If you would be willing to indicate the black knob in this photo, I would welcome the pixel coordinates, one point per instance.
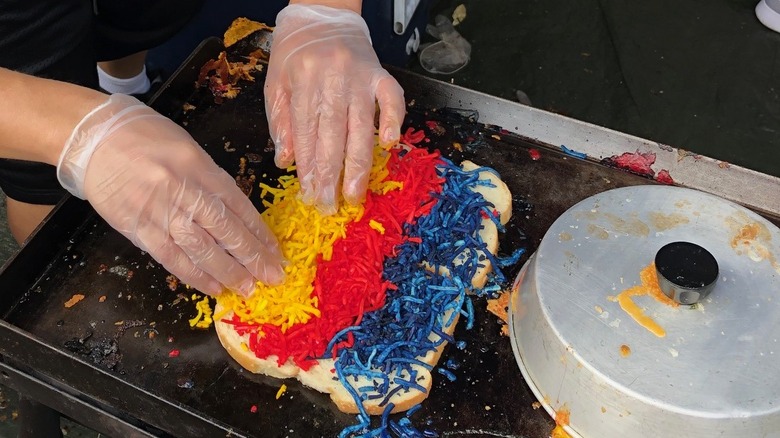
(686, 271)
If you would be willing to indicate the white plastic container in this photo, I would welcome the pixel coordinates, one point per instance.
(768, 13)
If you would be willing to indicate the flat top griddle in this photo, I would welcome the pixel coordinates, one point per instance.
(128, 348)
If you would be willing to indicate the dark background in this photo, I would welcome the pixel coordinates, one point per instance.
(694, 74)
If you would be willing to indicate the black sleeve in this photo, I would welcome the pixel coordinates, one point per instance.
(49, 38)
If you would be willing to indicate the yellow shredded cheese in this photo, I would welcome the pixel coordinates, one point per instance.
(204, 317)
(281, 391)
(376, 226)
(303, 234)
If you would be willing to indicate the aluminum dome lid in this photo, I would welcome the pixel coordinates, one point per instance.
(628, 364)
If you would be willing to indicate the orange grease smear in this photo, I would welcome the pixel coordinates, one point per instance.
(649, 287)
(749, 236)
(746, 234)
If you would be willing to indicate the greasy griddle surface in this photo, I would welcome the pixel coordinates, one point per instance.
(489, 395)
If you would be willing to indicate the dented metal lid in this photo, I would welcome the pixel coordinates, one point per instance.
(594, 333)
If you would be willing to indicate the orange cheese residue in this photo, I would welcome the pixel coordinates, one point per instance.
(559, 432)
(500, 307)
(753, 240)
(649, 287)
(746, 234)
(304, 234)
(562, 417)
(240, 28)
(74, 300)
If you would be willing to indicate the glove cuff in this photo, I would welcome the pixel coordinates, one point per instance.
(298, 16)
(86, 138)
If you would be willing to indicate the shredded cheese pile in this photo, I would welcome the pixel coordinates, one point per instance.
(304, 234)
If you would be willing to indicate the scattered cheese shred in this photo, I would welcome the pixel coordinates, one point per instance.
(281, 391)
(74, 300)
(376, 226)
(203, 319)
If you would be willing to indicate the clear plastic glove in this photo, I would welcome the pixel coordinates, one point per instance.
(149, 180)
(323, 82)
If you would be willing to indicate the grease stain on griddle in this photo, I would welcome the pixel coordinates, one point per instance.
(185, 383)
(122, 271)
(103, 352)
(245, 179)
(123, 326)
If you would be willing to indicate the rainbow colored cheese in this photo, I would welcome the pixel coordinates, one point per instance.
(363, 285)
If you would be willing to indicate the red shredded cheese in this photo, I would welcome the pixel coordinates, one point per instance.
(349, 282)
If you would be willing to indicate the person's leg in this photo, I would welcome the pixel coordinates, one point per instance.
(126, 67)
(126, 75)
(23, 217)
(125, 31)
(31, 190)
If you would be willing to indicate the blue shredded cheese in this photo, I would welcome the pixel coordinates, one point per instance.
(389, 342)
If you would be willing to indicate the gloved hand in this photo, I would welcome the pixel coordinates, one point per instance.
(149, 180)
(320, 92)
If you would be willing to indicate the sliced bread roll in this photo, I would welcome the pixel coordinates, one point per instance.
(322, 376)
(498, 194)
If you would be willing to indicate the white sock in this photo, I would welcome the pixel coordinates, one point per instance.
(136, 85)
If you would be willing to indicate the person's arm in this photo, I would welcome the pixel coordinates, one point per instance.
(145, 176)
(37, 115)
(324, 81)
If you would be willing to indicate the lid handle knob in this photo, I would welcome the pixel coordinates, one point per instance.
(686, 271)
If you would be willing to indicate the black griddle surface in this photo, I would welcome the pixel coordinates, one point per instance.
(105, 352)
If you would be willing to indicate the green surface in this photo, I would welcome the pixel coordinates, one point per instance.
(698, 75)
